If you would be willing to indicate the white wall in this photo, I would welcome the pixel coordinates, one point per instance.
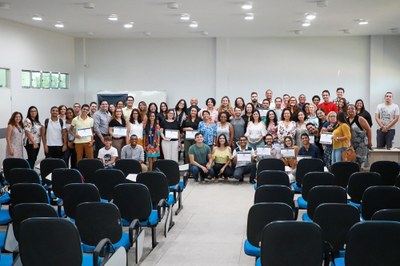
(24, 47)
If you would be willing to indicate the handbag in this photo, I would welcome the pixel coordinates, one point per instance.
(349, 155)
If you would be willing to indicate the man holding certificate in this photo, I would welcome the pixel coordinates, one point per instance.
(82, 129)
(200, 159)
(243, 158)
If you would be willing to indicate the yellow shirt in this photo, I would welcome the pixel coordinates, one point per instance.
(341, 131)
(221, 157)
(79, 123)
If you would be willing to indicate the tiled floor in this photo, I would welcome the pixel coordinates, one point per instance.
(210, 229)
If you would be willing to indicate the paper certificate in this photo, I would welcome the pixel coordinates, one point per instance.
(312, 139)
(326, 138)
(191, 134)
(288, 153)
(263, 151)
(171, 133)
(85, 132)
(119, 131)
(244, 157)
(263, 112)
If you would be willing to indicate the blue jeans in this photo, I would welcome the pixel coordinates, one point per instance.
(195, 171)
(337, 155)
(241, 170)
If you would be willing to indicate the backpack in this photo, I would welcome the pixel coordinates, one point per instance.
(46, 123)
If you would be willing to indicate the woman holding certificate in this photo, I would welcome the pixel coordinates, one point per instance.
(301, 128)
(222, 157)
(286, 127)
(326, 138)
(255, 131)
(118, 131)
(209, 129)
(224, 127)
(289, 152)
(170, 136)
(152, 139)
(136, 126)
(271, 122)
(189, 127)
(341, 138)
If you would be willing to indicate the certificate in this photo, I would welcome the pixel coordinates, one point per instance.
(288, 153)
(326, 138)
(190, 134)
(85, 132)
(171, 133)
(301, 157)
(263, 112)
(131, 177)
(244, 157)
(312, 139)
(119, 131)
(263, 151)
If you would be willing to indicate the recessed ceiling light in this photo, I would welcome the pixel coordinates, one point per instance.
(249, 16)
(322, 3)
(147, 33)
(113, 17)
(345, 31)
(129, 25)
(205, 33)
(89, 5)
(59, 25)
(306, 23)
(4, 6)
(185, 17)
(37, 18)
(193, 24)
(247, 5)
(172, 5)
(298, 32)
(310, 16)
(361, 21)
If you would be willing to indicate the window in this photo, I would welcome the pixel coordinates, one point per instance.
(4, 78)
(44, 79)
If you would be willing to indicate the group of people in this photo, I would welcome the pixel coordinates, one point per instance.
(218, 141)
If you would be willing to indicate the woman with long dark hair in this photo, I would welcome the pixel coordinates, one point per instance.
(152, 139)
(135, 126)
(191, 123)
(33, 135)
(14, 136)
(70, 151)
(255, 131)
(222, 157)
(119, 140)
(271, 124)
(360, 108)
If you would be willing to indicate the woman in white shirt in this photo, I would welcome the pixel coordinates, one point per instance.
(136, 126)
(255, 131)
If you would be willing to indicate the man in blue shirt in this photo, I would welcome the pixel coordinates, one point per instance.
(308, 149)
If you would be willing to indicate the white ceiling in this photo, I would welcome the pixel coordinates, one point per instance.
(219, 18)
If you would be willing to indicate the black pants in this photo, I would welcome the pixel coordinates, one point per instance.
(227, 172)
(32, 154)
(54, 152)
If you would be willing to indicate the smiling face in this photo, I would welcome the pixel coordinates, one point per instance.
(286, 115)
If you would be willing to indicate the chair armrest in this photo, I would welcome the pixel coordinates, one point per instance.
(135, 225)
(161, 206)
(104, 243)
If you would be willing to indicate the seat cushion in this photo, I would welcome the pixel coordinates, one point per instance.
(152, 220)
(306, 218)
(5, 217)
(339, 262)
(123, 242)
(357, 205)
(6, 259)
(258, 262)
(251, 250)
(2, 240)
(302, 203)
(5, 198)
(181, 185)
(171, 200)
(296, 187)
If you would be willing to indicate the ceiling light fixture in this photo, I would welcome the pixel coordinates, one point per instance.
(4, 6)
(345, 31)
(298, 32)
(185, 17)
(147, 33)
(306, 23)
(204, 33)
(310, 16)
(249, 16)
(59, 25)
(193, 24)
(113, 17)
(172, 5)
(129, 25)
(361, 21)
(247, 5)
(37, 18)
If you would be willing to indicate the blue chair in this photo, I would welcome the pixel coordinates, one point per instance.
(388, 171)
(343, 171)
(171, 170)
(134, 202)
(358, 183)
(387, 215)
(128, 166)
(98, 220)
(378, 198)
(286, 243)
(323, 194)
(272, 177)
(87, 167)
(106, 179)
(259, 216)
(305, 166)
(8, 164)
(75, 194)
(270, 164)
(54, 241)
(47, 166)
(372, 243)
(311, 180)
